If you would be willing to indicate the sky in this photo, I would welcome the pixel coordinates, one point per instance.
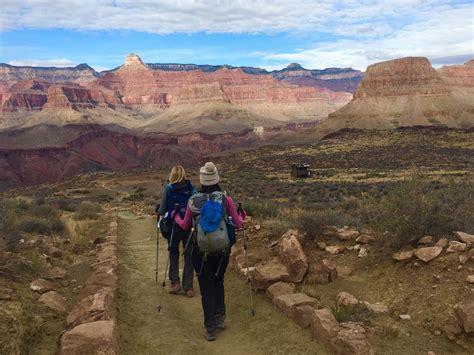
(261, 33)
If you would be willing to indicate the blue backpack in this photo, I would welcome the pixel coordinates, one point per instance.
(180, 196)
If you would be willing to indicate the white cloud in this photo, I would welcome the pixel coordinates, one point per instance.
(446, 33)
(43, 63)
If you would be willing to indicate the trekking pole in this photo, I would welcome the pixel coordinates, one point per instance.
(176, 209)
(249, 277)
(157, 247)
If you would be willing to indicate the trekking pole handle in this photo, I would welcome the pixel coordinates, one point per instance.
(176, 207)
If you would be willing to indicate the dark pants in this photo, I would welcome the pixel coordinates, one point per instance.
(181, 237)
(211, 284)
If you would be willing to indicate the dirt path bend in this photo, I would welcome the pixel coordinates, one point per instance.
(178, 329)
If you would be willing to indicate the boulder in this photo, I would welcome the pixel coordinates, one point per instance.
(98, 280)
(363, 252)
(335, 249)
(377, 308)
(456, 247)
(41, 286)
(332, 270)
(427, 240)
(57, 273)
(428, 253)
(364, 239)
(54, 252)
(303, 314)
(465, 314)
(54, 300)
(90, 338)
(280, 288)
(99, 306)
(287, 303)
(265, 275)
(403, 255)
(347, 234)
(442, 243)
(465, 238)
(292, 256)
(346, 299)
(324, 325)
(344, 271)
(351, 339)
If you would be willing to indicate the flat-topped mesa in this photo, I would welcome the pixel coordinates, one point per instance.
(134, 61)
(401, 77)
(458, 75)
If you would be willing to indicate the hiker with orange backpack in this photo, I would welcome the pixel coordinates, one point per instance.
(213, 216)
(175, 196)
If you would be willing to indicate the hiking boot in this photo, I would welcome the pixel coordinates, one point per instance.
(220, 322)
(210, 336)
(175, 288)
(190, 293)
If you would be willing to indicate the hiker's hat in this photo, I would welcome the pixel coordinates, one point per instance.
(212, 214)
(208, 174)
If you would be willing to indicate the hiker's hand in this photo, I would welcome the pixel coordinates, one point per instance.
(242, 214)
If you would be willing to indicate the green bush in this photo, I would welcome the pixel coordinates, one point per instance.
(87, 210)
(261, 209)
(35, 225)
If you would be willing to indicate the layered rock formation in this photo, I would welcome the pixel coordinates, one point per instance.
(460, 79)
(181, 101)
(404, 92)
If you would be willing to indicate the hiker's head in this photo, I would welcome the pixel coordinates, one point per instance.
(208, 174)
(177, 174)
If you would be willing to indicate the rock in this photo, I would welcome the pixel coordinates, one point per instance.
(470, 279)
(54, 252)
(324, 325)
(5, 293)
(99, 306)
(279, 288)
(403, 255)
(364, 239)
(335, 249)
(463, 259)
(265, 275)
(321, 245)
(351, 339)
(452, 330)
(318, 273)
(41, 286)
(292, 256)
(241, 261)
(465, 238)
(405, 317)
(344, 271)
(465, 314)
(302, 315)
(57, 273)
(428, 253)
(346, 299)
(377, 308)
(90, 338)
(54, 300)
(456, 247)
(426, 240)
(348, 234)
(98, 280)
(363, 252)
(286, 303)
(257, 227)
(442, 243)
(245, 271)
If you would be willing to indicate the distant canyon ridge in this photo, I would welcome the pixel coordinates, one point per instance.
(59, 122)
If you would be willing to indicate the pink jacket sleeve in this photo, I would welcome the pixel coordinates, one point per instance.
(186, 222)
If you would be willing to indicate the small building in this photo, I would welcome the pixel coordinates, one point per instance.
(300, 170)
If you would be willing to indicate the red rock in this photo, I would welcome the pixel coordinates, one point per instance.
(265, 275)
(465, 237)
(324, 325)
(293, 257)
(279, 288)
(287, 303)
(456, 247)
(346, 299)
(90, 338)
(427, 254)
(351, 339)
(465, 314)
(54, 300)
(99, 306)
(303, 315)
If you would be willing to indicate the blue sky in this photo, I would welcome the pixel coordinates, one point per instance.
(269, 34)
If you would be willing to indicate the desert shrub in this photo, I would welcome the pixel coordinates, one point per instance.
(136, 195)
(35, 225)
(261, 209)
(87, 210)
(353, 313)
(67, 204)
(8, 231)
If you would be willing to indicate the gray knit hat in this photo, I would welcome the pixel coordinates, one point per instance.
(208, 174)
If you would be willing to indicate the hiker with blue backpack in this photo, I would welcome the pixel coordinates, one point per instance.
(175, 197)
(213, 218)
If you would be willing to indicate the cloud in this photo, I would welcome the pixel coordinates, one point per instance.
(43, 63)
(445, 31)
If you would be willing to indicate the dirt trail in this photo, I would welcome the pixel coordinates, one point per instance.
(178, 328)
